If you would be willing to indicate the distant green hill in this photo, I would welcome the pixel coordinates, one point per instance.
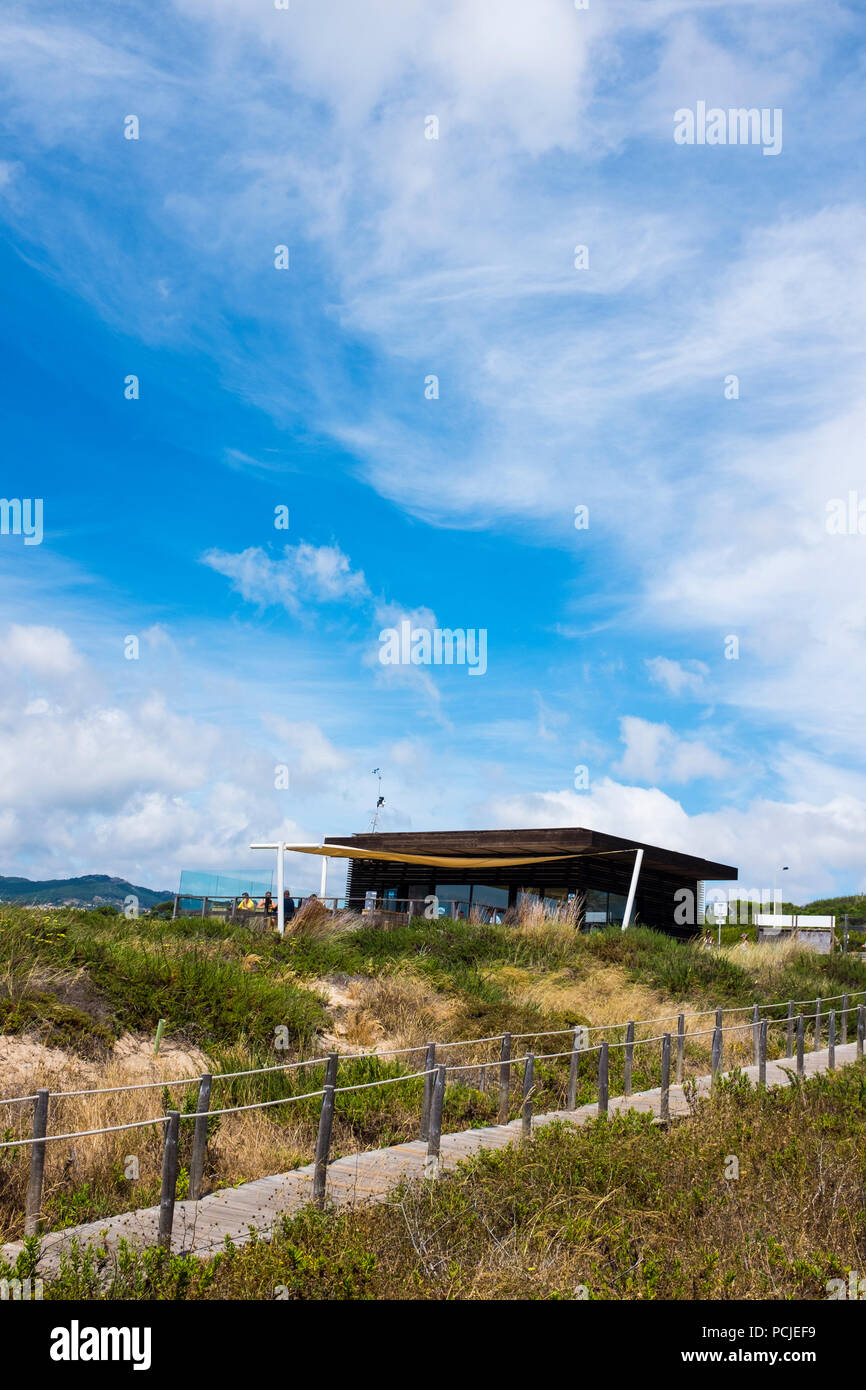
(91, 890)
(855, 906)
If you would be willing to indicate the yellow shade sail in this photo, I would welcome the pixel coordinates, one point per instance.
(439, 860)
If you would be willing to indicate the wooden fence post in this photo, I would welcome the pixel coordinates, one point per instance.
(665, 1105)
(861, 1030)
(199, 1137)
(603, 1078)
(844, 1019)
(33, 1208)
(816, 1042)
(681, 1046)
(800, 1044)
(504, 1079)
(429, 1080)
(762, 1053)
(431, 1165)
(528, 1083)
(789, 1030)
(756, 1034)
(629, 1058)
(169, 1180)
(716, 1054)
(831, 1041)
(719, 1018)
(573, 1071)
(326, 1122)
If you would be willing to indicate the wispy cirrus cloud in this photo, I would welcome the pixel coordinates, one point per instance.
(558, 385)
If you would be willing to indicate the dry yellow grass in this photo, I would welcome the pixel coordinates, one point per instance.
(316, 923)
(396, 1010)
(766, 961)
(95, 1159)
(121, 1170)
(392, 1011)
(606, 995)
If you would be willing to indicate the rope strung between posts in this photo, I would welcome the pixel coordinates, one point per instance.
(227, 1110)
(83, 1133)
(462, 1042)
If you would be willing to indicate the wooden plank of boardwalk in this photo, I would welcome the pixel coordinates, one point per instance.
(201, 1227)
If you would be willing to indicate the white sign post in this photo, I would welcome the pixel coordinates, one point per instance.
(721, 914)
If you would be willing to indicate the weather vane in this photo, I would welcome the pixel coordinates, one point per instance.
(380, 802)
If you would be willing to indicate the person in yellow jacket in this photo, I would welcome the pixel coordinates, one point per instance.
(246, 904)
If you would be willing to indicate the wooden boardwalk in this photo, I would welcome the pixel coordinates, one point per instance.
(200, 1228)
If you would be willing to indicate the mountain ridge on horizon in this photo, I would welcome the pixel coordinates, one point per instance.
(94, 890)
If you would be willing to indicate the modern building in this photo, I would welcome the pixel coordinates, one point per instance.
(493, 869)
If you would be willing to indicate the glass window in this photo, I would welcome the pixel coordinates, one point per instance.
(489, 903)
(616, 908)
(553, 899)
(489, 897)
(596, 906)
(453, 899)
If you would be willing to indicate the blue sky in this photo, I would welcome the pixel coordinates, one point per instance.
(305, 387)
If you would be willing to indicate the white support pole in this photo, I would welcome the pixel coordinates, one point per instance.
(629, 902)
(323, 886)
(281, 904)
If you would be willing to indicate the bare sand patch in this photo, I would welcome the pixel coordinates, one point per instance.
(27, 1064)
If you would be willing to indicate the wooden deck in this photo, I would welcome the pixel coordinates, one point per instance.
(200, 1228)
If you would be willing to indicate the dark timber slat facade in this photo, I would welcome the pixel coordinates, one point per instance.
(591, 868)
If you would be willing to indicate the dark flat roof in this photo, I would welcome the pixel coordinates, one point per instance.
(577, 840)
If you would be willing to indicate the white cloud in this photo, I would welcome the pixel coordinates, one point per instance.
(41, 651)
(75, 754)
(758, 563)
(678, 676)
(309, 753)
(132, 786)
(821, 842)
(654, 753)
(305, 574)
(545, 373)
(390, 615)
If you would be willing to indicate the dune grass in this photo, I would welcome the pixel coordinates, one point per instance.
(596, 1213)
(248, 1000)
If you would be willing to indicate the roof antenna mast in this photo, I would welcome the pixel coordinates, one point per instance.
(380, 802)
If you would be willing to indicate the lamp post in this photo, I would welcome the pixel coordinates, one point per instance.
(783, 869)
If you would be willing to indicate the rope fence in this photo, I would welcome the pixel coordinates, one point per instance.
(461, 1042)
(435, 1074)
